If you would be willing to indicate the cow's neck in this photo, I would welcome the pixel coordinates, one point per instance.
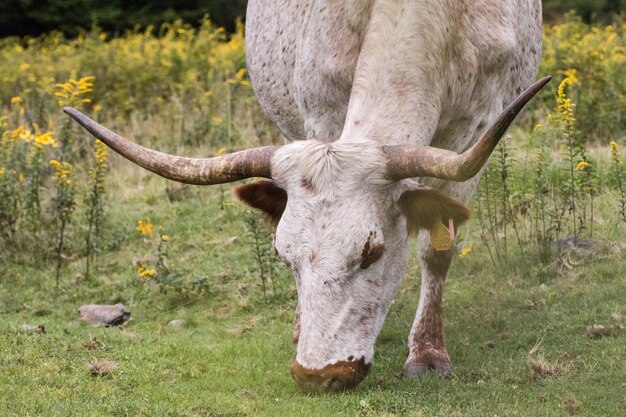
(395, 91)
(427, 76)
(390, 71)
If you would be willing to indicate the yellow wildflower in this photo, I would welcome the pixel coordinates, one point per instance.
(16, 100)
(18, 132)
(148, 273)
(466, 251)
(582, 165)
(571, 74)
(565, 107)
(145, 227)
(101, 152)
(69, 93)
(63, 172)
(24, 67)
(45, 139)
(165, 238)
(216, 120)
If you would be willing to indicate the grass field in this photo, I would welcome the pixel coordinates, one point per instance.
(516, 332)
(522, 316)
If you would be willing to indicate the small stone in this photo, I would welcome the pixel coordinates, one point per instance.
(480, 382)
(176, 323)
(596, 331)
(29, 328)
(106, 315)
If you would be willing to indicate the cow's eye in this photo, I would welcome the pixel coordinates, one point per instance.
(371, 254)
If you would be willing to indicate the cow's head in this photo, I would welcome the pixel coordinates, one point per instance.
(343, 212)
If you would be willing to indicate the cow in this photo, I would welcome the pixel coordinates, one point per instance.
(389, 110)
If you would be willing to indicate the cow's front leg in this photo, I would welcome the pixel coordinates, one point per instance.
(427, 345)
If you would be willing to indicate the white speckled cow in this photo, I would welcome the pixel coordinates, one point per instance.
(390, 108)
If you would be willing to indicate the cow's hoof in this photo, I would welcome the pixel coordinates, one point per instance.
(416, 369)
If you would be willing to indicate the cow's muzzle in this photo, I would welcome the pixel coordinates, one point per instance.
(336, 377)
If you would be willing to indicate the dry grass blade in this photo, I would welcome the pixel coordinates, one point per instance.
(102, 367)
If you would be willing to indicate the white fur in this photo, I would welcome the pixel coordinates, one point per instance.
(348, 77)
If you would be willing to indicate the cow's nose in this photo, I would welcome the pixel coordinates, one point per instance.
(336, 377)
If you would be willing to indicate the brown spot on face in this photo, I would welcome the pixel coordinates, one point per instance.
(335, 377)
(371, 252)
(307, 185)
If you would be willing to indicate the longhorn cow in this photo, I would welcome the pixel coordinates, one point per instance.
(389, 110)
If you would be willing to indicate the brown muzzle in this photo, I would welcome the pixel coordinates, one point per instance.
(336, 377)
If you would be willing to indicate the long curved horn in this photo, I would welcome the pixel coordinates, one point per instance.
(408, 161)
(254, 162)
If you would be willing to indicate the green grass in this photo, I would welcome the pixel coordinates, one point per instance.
(232, 356)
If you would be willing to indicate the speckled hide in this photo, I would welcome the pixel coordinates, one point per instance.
(341, 79)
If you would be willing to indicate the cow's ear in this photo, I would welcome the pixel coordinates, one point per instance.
(265, 196)
(424, 207)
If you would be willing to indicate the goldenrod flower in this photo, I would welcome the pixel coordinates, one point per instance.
(582, 165)
(101, 152)
(64, 171)
(148, 273)
(69, 93)
(145, 227)
(466, 251)
(45, 139)
(571, 74)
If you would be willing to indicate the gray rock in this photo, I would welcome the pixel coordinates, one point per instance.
(176, 323)
(104, 315)
(29, 328)
(571, 242)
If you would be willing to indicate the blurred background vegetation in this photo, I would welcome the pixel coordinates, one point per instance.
(28, 17)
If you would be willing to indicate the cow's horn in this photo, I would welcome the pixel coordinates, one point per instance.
(254, 162)
(408, 161)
